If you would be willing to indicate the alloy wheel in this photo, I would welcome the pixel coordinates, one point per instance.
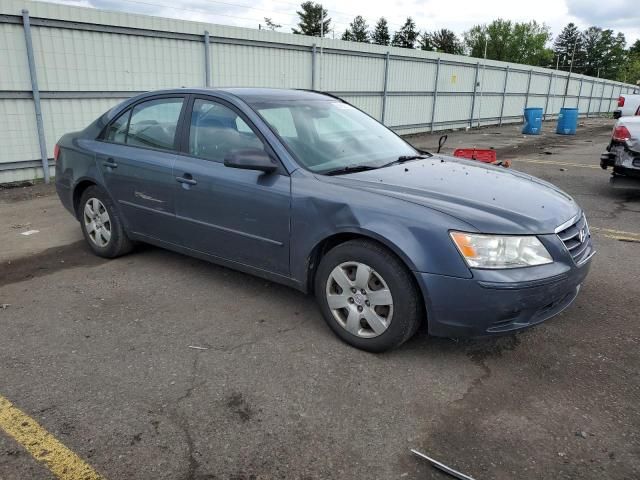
(97, 222)
(359, 299)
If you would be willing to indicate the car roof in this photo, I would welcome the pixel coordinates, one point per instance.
(252, 95)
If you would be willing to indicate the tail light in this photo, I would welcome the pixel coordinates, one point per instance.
(56, 152)
(621, 101)
(621, 134)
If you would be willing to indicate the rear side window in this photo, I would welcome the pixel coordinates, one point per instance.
(216, 131)
(154, 123)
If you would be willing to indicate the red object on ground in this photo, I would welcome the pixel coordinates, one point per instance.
(486, 156)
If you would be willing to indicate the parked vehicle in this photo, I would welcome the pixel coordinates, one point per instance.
(302, 188)
(628, 106)
(623, 152)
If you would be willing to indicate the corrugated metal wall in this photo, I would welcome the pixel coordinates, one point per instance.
(88, 60)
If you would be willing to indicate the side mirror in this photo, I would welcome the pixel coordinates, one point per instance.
(251, 159)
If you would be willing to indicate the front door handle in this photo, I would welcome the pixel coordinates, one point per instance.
(186, 179)
(110, 163)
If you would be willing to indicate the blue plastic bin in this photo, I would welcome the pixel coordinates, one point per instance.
(532, 121)
(567, 121)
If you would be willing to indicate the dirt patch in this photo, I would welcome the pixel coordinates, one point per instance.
(47, 262)
(19, 192)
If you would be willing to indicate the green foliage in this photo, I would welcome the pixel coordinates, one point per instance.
(604, 53)
(567, 46)
(445, 41)
(358, 31)
(510, 42)
(380, 35)
(407, 36)
(271, 25)
(311, 17)
(425, 42)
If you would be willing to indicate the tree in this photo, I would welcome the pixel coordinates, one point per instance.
(270, 24)
(631, 70)
(445, 41)
(380, 35)
(425, 41)
(311, 17)
(510, 42)
(358, 31)
(569, 44)
(407, 36)
(605, 54)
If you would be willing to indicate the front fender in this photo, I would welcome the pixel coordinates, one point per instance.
(417, 234)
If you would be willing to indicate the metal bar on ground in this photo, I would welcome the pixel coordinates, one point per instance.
(384, 87)
(36, 94)
(475, 89)
(435, 94)
(207, 61)
(442, 466)
(504, 93)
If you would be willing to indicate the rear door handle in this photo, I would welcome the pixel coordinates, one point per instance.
(110, 163)
(186, 179)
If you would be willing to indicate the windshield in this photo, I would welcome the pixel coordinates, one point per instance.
(326, 135)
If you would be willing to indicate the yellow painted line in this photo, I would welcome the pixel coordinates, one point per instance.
(616, 232)
(62, 462)
(553, 162)
(623, 238)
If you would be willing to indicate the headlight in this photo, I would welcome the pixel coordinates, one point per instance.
(500, 251)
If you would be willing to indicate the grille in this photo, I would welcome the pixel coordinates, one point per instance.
(577, 239)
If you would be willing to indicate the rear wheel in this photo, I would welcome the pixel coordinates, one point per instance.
(367, 296)
(101, 224)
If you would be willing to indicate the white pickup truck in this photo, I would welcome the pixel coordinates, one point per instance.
(628, 105)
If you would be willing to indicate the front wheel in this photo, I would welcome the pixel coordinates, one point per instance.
(368, 296)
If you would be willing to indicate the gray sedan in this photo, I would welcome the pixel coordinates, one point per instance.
(303, 189)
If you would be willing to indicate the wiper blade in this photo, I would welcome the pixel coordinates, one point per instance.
(350, 169)
(405, 158)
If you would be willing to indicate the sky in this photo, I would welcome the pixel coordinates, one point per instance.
(456, 15)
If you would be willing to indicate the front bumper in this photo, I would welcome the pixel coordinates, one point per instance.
(459, 307)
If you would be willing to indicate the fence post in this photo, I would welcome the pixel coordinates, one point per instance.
(435, 94)
(546, 103)
(579, 95)
(504, 94)
(601, 97)
(473, 100)
(566, 90)
(313, 67)
(207, 61)
(36, 94)
(590, 97)
(526, 100)
(384, 88)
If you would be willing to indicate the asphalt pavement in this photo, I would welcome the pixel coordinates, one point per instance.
(160, 366)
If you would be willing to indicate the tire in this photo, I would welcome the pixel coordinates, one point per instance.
(101, 224)
(386, 278)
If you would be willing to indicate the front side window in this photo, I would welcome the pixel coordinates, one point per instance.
(217, 131)
(326, 135)
(117, 130)
(154, 123)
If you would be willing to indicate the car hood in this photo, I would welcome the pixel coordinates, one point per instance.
(492, 199)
